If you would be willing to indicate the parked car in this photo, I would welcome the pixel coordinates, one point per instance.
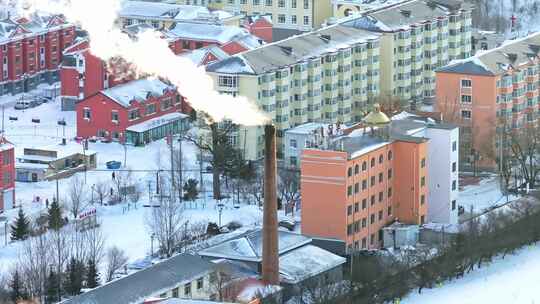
(23, 105)
(113, 165)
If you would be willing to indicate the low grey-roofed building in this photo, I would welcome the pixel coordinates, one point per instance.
(170, 278)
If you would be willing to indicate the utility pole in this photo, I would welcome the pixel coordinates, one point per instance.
(201, 175)
(173, 184)
(180, 178)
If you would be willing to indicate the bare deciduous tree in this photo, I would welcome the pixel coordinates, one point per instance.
(102, 191)
(289, 186)
(166, 223)
(76, 195)
(115, 259)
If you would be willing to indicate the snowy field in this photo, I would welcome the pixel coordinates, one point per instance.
(125, 229)
(482, 196)
(514, 280)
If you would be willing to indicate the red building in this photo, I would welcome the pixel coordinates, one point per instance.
(31, 51)
(136, 112)
(7, 181)
(82, 75)
(260, 26)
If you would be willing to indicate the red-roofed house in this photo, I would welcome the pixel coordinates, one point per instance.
(260, 26)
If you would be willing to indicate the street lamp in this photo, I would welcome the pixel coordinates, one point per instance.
(152, 236)
(220, 207)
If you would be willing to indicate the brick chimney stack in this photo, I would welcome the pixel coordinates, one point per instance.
(270, 260)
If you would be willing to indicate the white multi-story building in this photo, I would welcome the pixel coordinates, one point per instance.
(443, 163)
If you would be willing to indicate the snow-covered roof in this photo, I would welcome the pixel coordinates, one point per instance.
(206, 32)
(139, 90)
(35, 24)
(62, 151)
(277, 55)
(156, 122)
(511, 54)
(307, 262)
(307, 128)
(399, 15)
(248, 247)
(5, 144)
(199, 56)
(154, 280)
(159, 10)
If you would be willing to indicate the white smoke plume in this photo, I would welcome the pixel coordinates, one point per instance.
(150, 54)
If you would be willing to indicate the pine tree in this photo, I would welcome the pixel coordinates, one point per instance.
(17, 289)
(190, 189)
(55, 216)
(21, 229)
(74, 279)
(92, 276)
(52, 288)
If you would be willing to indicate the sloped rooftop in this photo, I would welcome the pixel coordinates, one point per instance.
(511, 54)
(139, 90)
(248, 247)
(286, 52)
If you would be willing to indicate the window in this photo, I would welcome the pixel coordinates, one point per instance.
(390, 172)
(372, 181)
(256, 2)
(356, 169)
(187, 289)
(381, 196)
(465, 114)
(7, 177)
(422, 181)
(293, 143)
(293, 3)
(185, 45)
(356, 188)
(281, 3)
(372, 200)
(175, 293)
(293, 160)
(454, 185)
(199, 45)
(364, 243)
(454, 167)
(349, 191)
(6, 159)
(349, 210)
(372, 219)
(390, 192)
(150, 109)
(133, 114)
(454, 146)
(349, 229)
(200, 283)
(166, 104)
(306, 4)
(293, 19)
(372, 162)
(380, 215)
(364, 166)
(422, 199)
(389, 211)
(364, 204)
(364, 184)
(114, 116)
(466, 83)
(454, 205)
(268, 2)
(349, 172)
(423, 163)
(306, 20)
(356, 207)
(87, 114)
(422, 219)
(155, 24)
(466, 98)
(390, 155)
(228, 81)
(381, 177)
(281, 18)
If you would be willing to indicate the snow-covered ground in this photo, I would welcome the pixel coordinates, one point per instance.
(482, 196)
(514, 279)
(125, 229)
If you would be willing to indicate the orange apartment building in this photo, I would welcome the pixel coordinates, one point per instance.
(494, 89)
(364, 182)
